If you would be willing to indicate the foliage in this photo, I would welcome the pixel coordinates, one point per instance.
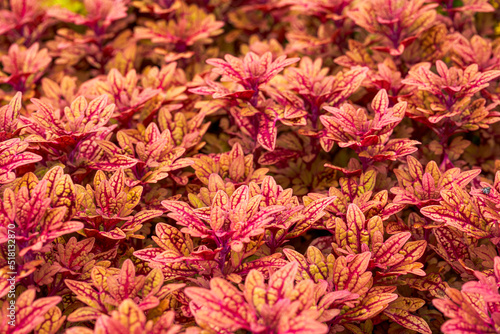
(268, 167)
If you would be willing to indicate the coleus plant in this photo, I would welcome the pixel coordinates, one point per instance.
(447, 102)
(366, 300)
(267, 167)
(107, 208)
(233, 165)
(368, 135)
(123, 92)
(278, 307)
(248, 78)
(9, 118)
(23, 67)
(129, 318)
(396, 22)
(40, 209)
(111, 288)
(459, 15)
(475, 307)
(229, 225)
(477, 50)
(149, 153)
(93, 43)
(422, 187)
(170, 82)
(448, 96)
(34, 213)
(25, 19)
(312, 84)
(464, 212)
(359, 190)
(58, 94)
(59, 133)
(34, 314)
(13, 155)
(394, 256)
(190, 28)
(234, 222)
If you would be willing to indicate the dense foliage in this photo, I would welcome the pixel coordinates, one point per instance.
(260, 166)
